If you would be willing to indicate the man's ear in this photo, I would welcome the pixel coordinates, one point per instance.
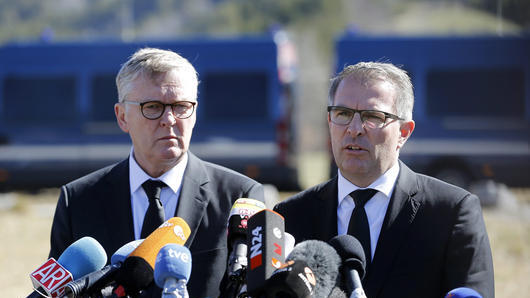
(119, 110)
(405, 130)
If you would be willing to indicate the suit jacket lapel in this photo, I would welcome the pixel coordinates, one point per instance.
(325, 212)
(194, 196)
(116, 205)
(400, 214)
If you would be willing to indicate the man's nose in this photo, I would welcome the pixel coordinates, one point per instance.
(356, 127)
(168, 116)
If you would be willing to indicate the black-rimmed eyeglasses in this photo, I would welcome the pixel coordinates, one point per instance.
(154, 109)
(369, 118)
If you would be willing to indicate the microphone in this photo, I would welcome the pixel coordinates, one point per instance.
(265, 236)
(138, 268)
(463, 292)
(98, 279)
(80, 258)
(293, 280)
(241, 211)
(123, 252)
(323, 261)
(173, 270)
(353, 263)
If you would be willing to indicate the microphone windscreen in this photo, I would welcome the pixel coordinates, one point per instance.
(323, 260)
(123, 252)
(83, 256)
(336, 292)
(174, 230)
(351, 252)
(240, 212)
(172, 261)
(463, 292)
(138, 268)
(294, 279)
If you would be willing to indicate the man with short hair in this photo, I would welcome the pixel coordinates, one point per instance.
(422, 237)
(160, 179)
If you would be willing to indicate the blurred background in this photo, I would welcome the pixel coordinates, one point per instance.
(264, 68)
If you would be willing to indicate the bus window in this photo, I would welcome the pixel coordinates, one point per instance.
(33, 100)
(234, 96)
(492, 93)
(104, 96)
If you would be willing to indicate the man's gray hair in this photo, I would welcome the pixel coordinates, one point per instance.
(151, 62)
(369, 72)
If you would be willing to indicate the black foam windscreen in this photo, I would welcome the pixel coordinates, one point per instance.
(351, 252)
(294, 280)
(323, 261)
(135, 274)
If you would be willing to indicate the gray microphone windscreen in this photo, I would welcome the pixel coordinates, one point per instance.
(323, 260)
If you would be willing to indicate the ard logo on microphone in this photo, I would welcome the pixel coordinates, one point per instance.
(256, 254)
(51, 277)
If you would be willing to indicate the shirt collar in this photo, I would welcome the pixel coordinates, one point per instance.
(173, 177)
(384, 184)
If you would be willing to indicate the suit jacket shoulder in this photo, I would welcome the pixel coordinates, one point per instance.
(90, 203)
(433, 240)
(312, 213)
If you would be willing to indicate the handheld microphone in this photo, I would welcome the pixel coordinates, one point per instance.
(100, 278)
(138, 268)
(265, 236)
(80, 258)
(353, 263)
(173, 270)
(123, 252)
(323, 261)
(295, 279)
(236, 268)
(241, 211)
(463, 292)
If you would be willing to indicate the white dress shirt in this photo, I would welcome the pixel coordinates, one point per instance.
(169, 195)
(375, 208)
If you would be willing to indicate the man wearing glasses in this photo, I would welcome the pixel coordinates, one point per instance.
(160, 179)
(421, 237)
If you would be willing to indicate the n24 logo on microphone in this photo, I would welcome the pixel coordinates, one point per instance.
(256, 254)
(51, 277)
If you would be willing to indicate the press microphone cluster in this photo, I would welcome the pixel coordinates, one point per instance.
(80, 271)
(312, 269)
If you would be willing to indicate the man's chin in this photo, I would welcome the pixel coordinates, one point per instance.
(172, 154)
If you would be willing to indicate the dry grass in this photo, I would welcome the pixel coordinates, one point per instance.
(26, 220)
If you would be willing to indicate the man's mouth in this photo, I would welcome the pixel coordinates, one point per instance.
(355, 148)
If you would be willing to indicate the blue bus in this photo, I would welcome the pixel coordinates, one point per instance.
(244, 116)
(472, 102)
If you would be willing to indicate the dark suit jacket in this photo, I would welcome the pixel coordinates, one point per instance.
(99, 205)
(433, 237)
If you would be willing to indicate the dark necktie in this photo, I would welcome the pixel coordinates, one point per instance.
(358, 226)
(154, 216)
